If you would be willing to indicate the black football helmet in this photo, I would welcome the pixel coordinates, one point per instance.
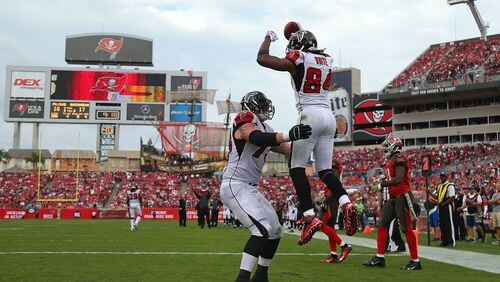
(257, 103)
(302, 40)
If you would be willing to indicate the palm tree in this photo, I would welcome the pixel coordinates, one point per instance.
(4, 156)
(34, 159)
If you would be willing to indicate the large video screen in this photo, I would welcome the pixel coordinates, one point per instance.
(182, 112)
(107, 86)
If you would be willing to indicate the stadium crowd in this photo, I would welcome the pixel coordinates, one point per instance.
(469, 165)
(449, 61)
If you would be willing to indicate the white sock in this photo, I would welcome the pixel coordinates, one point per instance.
(333, 253)
(344, 199)
(416, 260)
(264, 262)
(137, 220)
(342, 244)
(309, 212)
(380, 256)
(131, 223)
(248, 262)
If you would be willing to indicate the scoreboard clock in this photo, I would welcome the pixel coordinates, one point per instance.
(107, 114)
(69, 110)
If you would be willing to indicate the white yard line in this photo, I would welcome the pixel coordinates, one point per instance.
(159, 253)
(473, 260)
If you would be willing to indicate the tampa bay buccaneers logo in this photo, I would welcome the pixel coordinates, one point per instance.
(373, 117)
(111, 86)
(110, 45)
(20, 108)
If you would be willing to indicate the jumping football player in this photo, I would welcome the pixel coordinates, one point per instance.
(328, 214)
(310, 70)
(251, 140)
(399, 205)
(134, 201)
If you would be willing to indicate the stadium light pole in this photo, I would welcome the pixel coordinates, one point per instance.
(481, 24)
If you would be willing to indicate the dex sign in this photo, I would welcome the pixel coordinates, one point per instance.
(27, 84)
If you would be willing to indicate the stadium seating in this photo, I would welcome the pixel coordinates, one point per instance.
(472, 164)
(449, 61)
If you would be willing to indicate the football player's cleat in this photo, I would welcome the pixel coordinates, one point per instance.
(412, 265)
(375, 261)
(350, 218)
(330, 259)
(346, 249)
(310, 228)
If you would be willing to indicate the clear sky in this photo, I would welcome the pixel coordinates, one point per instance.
(222, 37)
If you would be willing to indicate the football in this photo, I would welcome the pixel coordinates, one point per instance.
(290, 28)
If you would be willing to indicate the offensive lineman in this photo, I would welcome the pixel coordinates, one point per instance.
(134, 201)
(251, 141)
(310, 70)
(399, 205)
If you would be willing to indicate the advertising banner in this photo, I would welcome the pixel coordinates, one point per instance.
(183, 137)
(12, 213)
(107, 86)
(151, 112)
(170, 214)
(340, 103)
(26, 109)
(184, 83)
(79, 213)
(47, 213)
(180, 112)
(27, 84)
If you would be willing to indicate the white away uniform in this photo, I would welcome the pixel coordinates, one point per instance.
(240, 182)
(311, 83)
(134, 204)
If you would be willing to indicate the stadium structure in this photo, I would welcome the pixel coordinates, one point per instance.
(444, 104)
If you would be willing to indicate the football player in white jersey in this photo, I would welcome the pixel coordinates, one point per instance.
(251, 140)
(310, 70)
(134, 200)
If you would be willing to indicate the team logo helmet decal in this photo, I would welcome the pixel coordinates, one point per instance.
(257, 103)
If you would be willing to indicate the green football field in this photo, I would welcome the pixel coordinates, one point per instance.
(93, 250)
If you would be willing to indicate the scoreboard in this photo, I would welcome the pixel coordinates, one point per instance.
(107, 114)
(69, 110)
(96, 95)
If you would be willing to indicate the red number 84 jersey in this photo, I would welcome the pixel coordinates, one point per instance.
(312, 78)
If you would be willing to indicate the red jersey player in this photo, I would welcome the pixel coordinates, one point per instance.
(328, 214)
(399, 205)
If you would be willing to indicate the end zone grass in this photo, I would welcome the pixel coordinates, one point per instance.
(107, 250)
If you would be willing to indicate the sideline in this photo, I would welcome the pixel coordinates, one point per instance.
(479, 261)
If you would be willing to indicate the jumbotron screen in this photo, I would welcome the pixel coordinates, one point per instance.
(107, 86)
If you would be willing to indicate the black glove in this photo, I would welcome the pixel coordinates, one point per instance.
(299, 131)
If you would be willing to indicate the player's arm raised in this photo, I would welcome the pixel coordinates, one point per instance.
(273, 62)
(250, 132)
